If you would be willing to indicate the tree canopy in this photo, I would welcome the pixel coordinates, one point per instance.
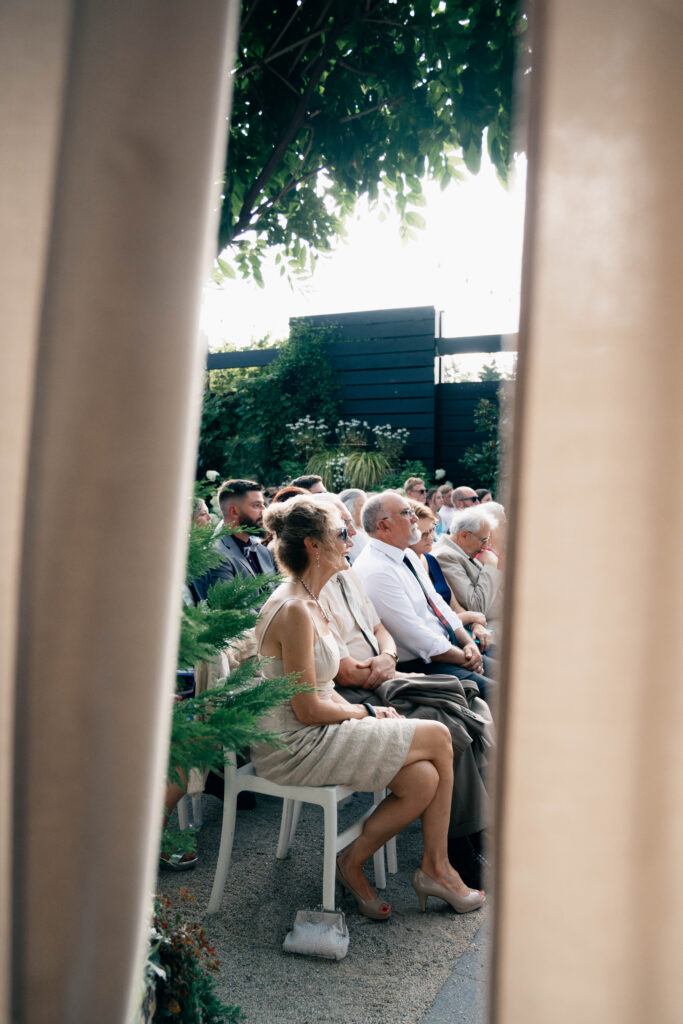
(338, 99)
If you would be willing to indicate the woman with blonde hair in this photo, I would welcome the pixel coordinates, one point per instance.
(332, 742)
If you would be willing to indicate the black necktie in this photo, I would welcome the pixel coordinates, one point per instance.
(432, 605)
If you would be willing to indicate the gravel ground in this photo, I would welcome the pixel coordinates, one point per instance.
(393, 970)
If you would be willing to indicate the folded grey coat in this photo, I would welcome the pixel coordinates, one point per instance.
(457, 704)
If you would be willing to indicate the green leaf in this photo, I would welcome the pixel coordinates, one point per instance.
(415, 220)
(226, 269)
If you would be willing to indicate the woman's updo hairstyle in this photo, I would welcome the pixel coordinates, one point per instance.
(291, 521)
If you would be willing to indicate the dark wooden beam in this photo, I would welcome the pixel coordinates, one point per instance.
(478, 343)
(233, 360)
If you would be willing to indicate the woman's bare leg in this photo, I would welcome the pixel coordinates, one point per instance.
(422, 787)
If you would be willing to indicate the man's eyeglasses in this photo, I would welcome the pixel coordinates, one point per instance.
(475, 500)
(343, 533)
(420, 490)
(482, 540)
(406, 512)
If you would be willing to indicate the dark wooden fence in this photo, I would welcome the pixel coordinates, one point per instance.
(455, 429)
(385, 366)
(388, 364)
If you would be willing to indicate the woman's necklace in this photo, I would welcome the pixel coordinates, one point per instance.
(308, 590)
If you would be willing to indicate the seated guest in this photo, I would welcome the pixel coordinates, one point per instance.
(475, 621)
(354, 499)
(447, 511)
(330, 741)
(313, 484)
(367, 672)
(484, 495)
(496, 513)
(284, 494)
(434, 501)
(415, 489)
(242, 504)
(429, 635)
(472, 572)
(464, 497)
(200, 513)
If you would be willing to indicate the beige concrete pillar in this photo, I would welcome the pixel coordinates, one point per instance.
(590, 889)
(115, 115)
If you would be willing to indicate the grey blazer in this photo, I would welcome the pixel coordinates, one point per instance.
(235, 563)
(477, 587)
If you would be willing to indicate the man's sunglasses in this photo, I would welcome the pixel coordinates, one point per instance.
(343, 533)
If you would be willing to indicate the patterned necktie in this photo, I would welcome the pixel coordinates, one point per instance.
(432, 605)
(251, 558)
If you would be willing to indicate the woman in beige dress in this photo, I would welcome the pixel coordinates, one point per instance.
(332, 742)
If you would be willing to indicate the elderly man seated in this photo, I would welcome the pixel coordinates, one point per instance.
(473, 571)
(430, 637)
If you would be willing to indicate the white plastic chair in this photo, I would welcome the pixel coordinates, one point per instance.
(238, 780)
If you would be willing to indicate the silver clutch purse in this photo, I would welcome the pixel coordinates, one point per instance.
(318, 933)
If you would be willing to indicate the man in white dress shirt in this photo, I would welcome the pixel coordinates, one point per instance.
(429, 635)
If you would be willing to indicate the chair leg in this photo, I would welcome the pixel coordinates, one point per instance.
(285, 828)
(183, 813)
(380, 873)
(296, 814)
(227, 837)
(392, 860)
(329, 850)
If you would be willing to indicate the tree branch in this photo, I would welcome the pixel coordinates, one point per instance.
(273, 56)
(270, 203)
(371, 110)
(258, 186)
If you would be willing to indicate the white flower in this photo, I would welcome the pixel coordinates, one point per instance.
(439, 474)
(212, 475)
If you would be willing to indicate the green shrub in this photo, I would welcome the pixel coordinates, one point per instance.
(483, 459)
(392, 481)
(246, 412)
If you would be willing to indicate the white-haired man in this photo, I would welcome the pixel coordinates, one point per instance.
(354, 499)
(429, 635)
(472, 570)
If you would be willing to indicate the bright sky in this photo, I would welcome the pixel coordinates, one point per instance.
(467, 263)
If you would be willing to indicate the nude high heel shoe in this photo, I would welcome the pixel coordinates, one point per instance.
(425, 886)
(369, 908)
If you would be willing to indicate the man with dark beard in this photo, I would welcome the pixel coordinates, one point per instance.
(242, 504)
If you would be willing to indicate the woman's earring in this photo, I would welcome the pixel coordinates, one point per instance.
(317, 560)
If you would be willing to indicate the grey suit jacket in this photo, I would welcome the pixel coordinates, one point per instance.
(235, 563)
(477, 587)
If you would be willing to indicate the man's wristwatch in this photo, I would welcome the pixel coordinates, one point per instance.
(392, 654)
